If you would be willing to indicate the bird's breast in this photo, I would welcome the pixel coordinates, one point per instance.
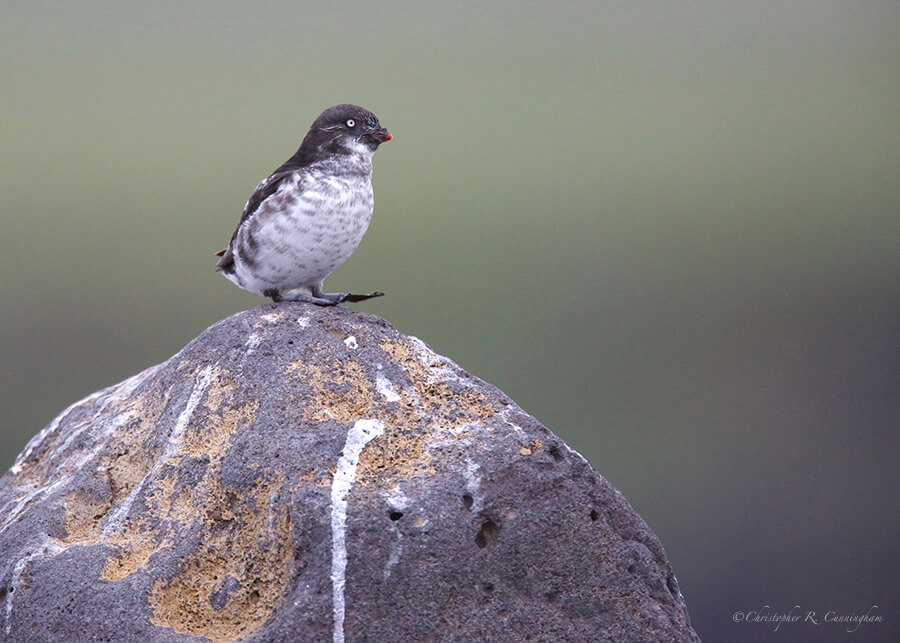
(307, 228)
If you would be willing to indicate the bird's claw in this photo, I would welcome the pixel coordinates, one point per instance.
(354, 298)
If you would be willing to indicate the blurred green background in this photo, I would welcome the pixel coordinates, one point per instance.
(670, 231)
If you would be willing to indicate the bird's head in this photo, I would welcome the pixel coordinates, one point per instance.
(346, 129)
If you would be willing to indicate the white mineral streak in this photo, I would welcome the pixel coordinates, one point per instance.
(439, 369)
(362, 432)
(573, 451)
(22, 502)
(396, 550)
(45, 547)
(504, 415)
(351, 343)
(41, 545)
(252, 343)
(49, 430)
(108, 396)
(120, 511)
(383, 385)
(250, 346)
(397, 501)
(473, 485)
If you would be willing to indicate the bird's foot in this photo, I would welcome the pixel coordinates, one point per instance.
(330, 300)
(353, 298)
(320, 298)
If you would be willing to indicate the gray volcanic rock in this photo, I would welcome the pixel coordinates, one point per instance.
(311, 474)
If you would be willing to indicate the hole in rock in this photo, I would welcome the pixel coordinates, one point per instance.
(487, 535)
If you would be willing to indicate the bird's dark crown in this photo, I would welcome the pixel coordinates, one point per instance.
(339, 130)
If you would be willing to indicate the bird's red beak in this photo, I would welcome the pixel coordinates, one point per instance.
(382, 135)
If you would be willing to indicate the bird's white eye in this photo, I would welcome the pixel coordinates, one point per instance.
(351, 122)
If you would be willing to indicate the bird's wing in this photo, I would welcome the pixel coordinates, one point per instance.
(263, 191)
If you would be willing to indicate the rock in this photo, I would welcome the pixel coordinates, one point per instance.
(310, 474)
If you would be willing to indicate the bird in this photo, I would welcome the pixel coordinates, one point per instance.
(308, 216)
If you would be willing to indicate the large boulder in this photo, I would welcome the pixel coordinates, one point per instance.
(309, 474)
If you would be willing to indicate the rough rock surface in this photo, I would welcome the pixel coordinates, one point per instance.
(310, 474)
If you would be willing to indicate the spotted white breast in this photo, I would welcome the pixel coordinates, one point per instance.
(303, 231)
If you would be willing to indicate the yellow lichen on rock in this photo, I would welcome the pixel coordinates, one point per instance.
(428, 410)
(340, 390)
(245, 538)
(447, 407)
(212, 438)
(530, 448)
(135, 550)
